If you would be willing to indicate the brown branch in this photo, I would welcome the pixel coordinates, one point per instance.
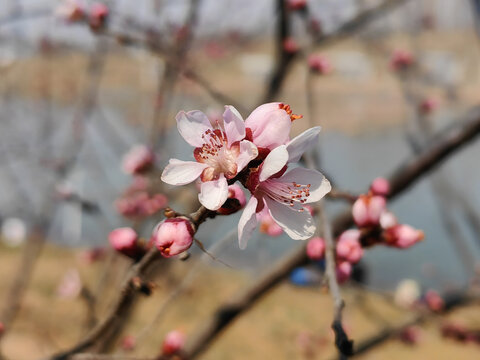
(444, 145)
(343, 344)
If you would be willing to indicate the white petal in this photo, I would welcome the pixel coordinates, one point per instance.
(247, 223)
(248, 152)
(179, 172)
(297, 146)
(214, 193)
(234, 125)
(274, 162)
(296, 224)
(319, 185)
(192, 125)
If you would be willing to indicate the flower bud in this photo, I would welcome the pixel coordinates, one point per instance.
(98, 16)
(427, 106)
(316, 248)
(296, 5)
(349, 247)
(173, 236)
(410, 335)
(380, 186)
(403, 236)
(367, 209)
(387, 220)
(125, 241)
(344, 271)
(401, 60)
(137, 160)
(267, 224)
(434, 301)
(319, 64)
(173, 342)
(236, 201)
(128, 343)
(290, 46)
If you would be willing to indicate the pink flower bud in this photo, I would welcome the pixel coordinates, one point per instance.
(366, 210)
(128, 343)
(138, 159)
(319, 64)
(296, 4)
(173, 236)
(428, 105)
(236, 201)
(316, 248)
(98, 16)
(344, 271)
(125, 241)
(349, 247)
(173, 342)
(268, 126)
(71, 11)
(410, 335)
(401, 60)
(434, 300)
(387, 220)
(290, 46)
(70, 286)
(403, 236)
(380, 186)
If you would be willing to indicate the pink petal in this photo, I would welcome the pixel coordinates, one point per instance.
(274, 162)
(214, 193)
(297, 146)
(270, 126)
(319, 185)
(296, 224)
(179, 172)
(248, 152)
(192, 125)
(247, 222)
(234, 125)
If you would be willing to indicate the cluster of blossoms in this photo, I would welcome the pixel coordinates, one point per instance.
(460, 333)
(375, 225)
(77, 11)
(256, 152)
(138, 202)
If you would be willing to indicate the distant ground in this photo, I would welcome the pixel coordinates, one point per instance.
(274, 329)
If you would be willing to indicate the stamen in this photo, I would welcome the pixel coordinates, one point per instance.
(289, 111)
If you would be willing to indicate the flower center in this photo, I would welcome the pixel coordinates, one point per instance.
(216, 154)
(286, 193)
(289, 111)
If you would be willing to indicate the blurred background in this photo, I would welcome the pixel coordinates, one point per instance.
(81, 85)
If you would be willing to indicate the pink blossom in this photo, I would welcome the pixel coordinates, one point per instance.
(173, 342)
(296, 4)
(290, 46)
(316, 248)
(70, 286)
(138, 159)
(268, 126)
(173, 236)
(124, 240)
(71, 10)
(344, 271)
(434, 300)
(401, 60)
(236, 201)
(284, 193)
(220, 151)
(98, 16)
(387, 220)
(349, 247)
(367, 209)
(380, 186)
(319, 64)
(403, 236)
(427, 106)
(128, 343)
(267, 224)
